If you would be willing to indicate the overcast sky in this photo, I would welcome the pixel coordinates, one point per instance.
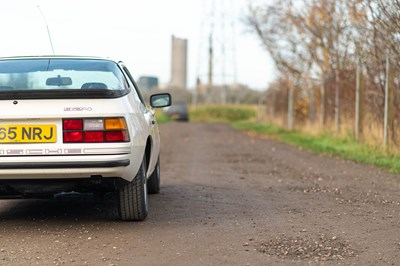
(136, 32)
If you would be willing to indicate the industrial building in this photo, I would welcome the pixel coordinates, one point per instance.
(179, 63)
(148, 82)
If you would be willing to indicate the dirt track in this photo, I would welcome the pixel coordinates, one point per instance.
(227, 199)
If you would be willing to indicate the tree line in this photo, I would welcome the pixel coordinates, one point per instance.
(338, 62)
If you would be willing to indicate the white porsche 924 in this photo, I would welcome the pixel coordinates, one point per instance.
(77, 124)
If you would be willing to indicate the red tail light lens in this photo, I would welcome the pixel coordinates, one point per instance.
(117, 136)
(94, 136)
(73, 136)
(72, 124)
(95, 130)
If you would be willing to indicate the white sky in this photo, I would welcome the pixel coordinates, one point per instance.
(136, 32)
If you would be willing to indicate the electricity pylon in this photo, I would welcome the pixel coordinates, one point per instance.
(217, 49)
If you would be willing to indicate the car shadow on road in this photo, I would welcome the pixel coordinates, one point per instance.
(83, 207)
(175, 203)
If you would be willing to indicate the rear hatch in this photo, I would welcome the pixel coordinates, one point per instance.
(41, 127)
(62, 106)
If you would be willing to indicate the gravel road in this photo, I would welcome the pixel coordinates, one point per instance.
(227, 198)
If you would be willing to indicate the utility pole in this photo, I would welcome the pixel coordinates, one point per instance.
(210, 61)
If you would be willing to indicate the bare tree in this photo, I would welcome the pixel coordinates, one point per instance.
(284, 41)
(338, 46)
(308, 40)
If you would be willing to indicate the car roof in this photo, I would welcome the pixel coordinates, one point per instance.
(59, 57)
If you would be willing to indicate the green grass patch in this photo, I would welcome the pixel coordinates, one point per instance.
(161, 117)
(222, 113)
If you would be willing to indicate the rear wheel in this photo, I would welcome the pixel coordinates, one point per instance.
(132, 198)
(153, 185)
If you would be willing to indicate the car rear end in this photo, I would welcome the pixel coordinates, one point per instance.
(57, 133)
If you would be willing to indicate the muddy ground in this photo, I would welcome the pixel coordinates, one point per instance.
(227, 199)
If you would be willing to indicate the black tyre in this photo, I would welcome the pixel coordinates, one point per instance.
(153, 184)
(132, 198)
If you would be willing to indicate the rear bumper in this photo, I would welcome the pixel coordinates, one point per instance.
(57, 165)
(35, 177)
(123, 166)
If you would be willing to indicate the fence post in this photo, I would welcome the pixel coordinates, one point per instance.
(337, 101)
(290, 107)
(312, 103)
(322, 101)
(386, 112)
(359, 97)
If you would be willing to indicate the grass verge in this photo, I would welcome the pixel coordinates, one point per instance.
(222, 113)
(243, 117)
(345, 148)
(161, 117)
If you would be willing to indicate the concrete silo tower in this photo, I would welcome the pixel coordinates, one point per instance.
(179, 63)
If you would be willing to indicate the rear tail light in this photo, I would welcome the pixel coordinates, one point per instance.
(73, 136)
(72, 124)
(116, 136)
(93, 124)
(94, 136)
(114, 123)
(95, 130)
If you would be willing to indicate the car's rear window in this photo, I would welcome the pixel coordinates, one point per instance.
(61, 78)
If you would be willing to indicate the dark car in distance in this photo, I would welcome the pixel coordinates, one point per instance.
(178, 111)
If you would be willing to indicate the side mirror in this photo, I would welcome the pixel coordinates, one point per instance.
(160, 100)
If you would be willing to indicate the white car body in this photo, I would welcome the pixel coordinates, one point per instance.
(50, 112)
(36, 168)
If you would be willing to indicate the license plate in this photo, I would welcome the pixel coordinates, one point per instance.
(21, 133)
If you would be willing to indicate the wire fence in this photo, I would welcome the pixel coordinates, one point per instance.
(350, 102)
